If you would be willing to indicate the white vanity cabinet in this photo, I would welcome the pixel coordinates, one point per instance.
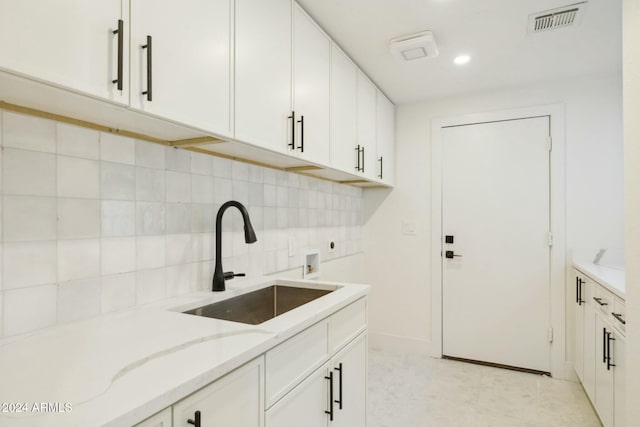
(385, 139)
(68, 43)
(181, 61)
(600, 360)
(334, 394)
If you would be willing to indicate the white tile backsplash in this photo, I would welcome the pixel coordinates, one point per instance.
(28, 173)
(78, 259)
(29, 263)
(78, 218)
(114, 148)
(78, 178)
(78, 142)
(118, 292)
(28, 133)
(95, 222)
(118, 255)
(29, 218)
(30, 308)
(78, 300)
(117, 181)
(118, 218)
(150, 155)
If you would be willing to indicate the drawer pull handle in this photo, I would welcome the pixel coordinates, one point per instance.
(120, 33)
(604, 345)
(339, 401)
(599, 301)
(292, 144)
(619, 318)
(196, 422)
(301, 121)
(330, 411)
(609, 339)
(149, 47)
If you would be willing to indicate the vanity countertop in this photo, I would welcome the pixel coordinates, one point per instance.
(611, 277)
(120, 368)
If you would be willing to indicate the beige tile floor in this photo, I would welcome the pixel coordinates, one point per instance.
(420, 391)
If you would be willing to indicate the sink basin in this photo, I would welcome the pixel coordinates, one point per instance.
(259, 306)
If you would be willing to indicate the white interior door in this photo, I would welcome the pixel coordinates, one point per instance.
(495, 204)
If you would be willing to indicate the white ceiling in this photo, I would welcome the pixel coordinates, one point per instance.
(493, 32)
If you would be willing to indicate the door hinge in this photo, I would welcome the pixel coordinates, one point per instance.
(550, 334)
(549, 143)
(550, 239)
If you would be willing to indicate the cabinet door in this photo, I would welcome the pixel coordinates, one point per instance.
(263, 72)
(343, 111)
(350, 367)
(312, 54)
(385, 124)
(579, 325)
(619, 380)
(590, 349)
(161, 419)
(235, 400)
(366, 124)
(604, 377)
(190, 57)
(305, 405)
(66, 42)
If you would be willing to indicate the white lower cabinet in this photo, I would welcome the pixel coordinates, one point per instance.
(317, 378)
(600, 351)
(333, 395)
(235, 400)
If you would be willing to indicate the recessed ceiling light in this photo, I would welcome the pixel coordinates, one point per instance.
(462, 59)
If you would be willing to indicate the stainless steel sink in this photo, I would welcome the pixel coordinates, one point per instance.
(259, 306)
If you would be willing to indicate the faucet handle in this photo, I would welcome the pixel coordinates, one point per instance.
(230, 275)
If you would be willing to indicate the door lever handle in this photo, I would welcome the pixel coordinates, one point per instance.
(451, 254)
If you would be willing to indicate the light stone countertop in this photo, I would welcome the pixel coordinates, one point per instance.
(611, 277)
(120, 368)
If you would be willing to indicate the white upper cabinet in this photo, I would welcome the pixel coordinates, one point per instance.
(181, 61)
(263, 63)
(366, 125)
(67, 43)
(311, 89)
(385, 139)
(344, 152)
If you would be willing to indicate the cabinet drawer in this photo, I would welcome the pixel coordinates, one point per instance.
(290, 362)
(619, 315)
(347, 323)
(603, 300)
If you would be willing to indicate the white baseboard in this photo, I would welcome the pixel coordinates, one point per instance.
(400, 344)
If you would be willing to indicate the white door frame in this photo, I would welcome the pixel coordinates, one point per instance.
(559, 367)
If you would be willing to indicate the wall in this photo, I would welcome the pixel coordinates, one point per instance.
(631, 85)
(94, 223)
(398, 266)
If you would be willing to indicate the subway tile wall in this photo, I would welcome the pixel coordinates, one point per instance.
(94, 222)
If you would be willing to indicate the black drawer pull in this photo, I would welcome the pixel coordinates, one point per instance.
(609, 339)
(301, 121)
(149, 91)
(120, 33)
(330, 411)
(599, 301)
(292, 144)
(196, 421)
(618, 317)
(339, 401)
(380, 160)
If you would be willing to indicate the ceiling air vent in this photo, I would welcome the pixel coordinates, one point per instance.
(556, 18)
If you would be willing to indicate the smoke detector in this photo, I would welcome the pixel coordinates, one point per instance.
(414, 48)
(565, 16)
